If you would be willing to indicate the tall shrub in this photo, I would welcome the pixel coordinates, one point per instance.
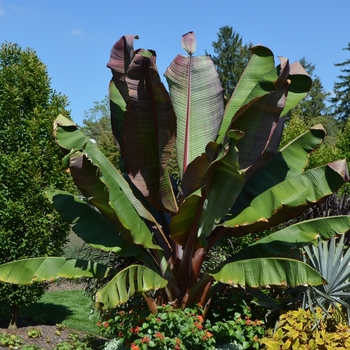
(29, 162)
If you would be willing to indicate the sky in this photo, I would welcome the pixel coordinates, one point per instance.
(74, 37)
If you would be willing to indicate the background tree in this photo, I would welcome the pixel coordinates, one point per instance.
(313, 107)
(312, 110)
(29, 162)
(97, 125)
(341, 99)
(230, 58)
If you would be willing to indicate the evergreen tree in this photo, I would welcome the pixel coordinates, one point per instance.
(30, 161)
(230, 58)
(341, 99)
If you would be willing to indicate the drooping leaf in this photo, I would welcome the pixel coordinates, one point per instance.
(91, 226)
(134, 278)
(50, 269)
(121, 55)
(299, 87)
(264, 272)
(288, 198)
(126, 206)
(294, 236)
(291, 160)
(197, 97)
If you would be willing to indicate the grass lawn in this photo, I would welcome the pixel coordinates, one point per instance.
(71, 308)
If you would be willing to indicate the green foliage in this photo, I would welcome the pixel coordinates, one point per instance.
(165, 328)
(233, 182)
(75, 342)
(327, 152)
(10, 340)
(234, 319)
(341, 99)
(343, 141)
(97, 126)
(230, 58)
(29, 162)
(296, 330)
(314, 104)
(34, 332)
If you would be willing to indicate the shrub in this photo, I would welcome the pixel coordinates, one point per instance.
(29, 161)
(304, 329)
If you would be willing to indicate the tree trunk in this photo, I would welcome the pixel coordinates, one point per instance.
(14, 317)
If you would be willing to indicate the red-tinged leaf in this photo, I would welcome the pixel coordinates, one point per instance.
(195, 174)
(197, 97)
(224, 183)
(121, 55)
(182, 223)
(149, 127)
(189, 43)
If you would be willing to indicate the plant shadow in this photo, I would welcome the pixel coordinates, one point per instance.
(39, 313)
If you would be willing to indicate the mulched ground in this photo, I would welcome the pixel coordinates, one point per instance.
(49, 337)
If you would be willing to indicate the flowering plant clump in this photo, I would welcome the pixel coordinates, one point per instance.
(167, 328)
(233, 320)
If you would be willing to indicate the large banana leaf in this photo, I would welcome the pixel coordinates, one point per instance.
(299, 87)
(268, 271)
(291, 160)
(127, 207)
(294, 236)
(288, 198)
(49, 269)
(121, 55)
(91, 226)
(197, 97)
(126, 283)
(149, 127)
(261, 62)
(223, 185)
(117, 106)
(182, 223)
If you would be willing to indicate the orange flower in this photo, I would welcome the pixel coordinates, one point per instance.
(198, 325)
(200, 318)
(145, 340)
(159, 335)
(133, 346)
(177, 341)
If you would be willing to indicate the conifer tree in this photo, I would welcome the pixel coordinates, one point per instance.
(341, 99)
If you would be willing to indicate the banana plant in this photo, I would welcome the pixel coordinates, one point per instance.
(233, 181)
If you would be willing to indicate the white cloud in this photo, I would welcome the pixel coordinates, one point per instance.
(2, 11)
(77, 33)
